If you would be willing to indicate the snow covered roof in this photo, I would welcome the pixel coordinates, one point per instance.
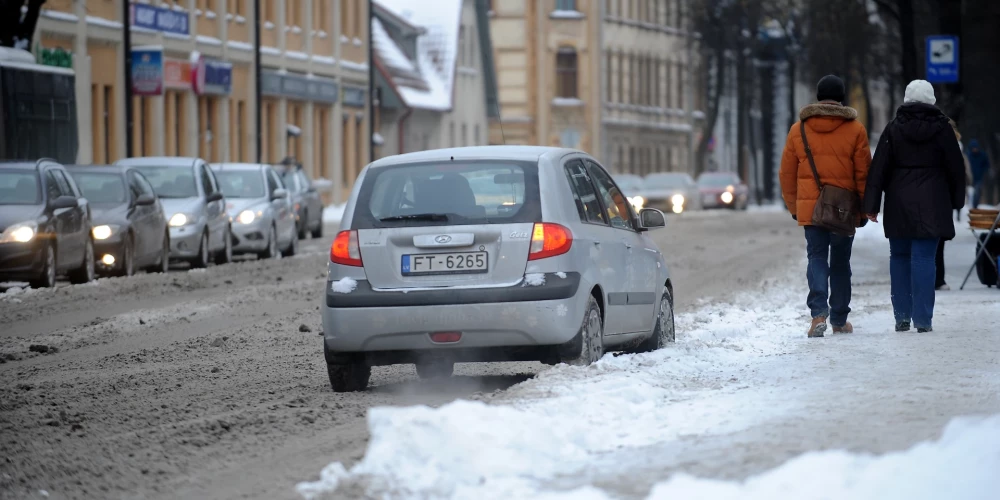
(437, 48)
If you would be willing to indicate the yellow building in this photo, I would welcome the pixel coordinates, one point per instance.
(314, 80)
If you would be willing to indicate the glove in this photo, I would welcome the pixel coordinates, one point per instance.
(795, 217)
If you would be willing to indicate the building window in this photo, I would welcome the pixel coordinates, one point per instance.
(566, 72)
(346, 26)
(565, 4)
(680, 85)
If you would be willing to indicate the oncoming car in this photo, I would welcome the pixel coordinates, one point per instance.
(723, 190)
(631, 186)
(674, 191)
(260, 207)
(496, 253)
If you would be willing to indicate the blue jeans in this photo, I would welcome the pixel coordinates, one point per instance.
(911, 270)
(829, 274)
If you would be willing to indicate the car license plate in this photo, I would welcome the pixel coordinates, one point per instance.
(445, 263)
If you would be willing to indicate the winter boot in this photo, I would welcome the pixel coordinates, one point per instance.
(818, 327)
(925, 330)
(903, 326)
(846, 328)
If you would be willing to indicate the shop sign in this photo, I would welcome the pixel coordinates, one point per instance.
(55, 57)
(354, 96)
(299, 87)
(176, 74)
(209, 76)
(147, 71)
(159, 19)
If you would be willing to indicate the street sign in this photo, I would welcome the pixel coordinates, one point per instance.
(942, 59)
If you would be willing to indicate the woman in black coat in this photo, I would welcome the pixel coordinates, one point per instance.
(919, 167)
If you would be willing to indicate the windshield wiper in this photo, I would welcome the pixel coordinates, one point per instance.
(428, 217)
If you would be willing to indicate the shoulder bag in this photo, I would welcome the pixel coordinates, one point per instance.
(838, 210)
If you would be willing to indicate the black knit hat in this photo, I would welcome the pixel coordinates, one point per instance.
(830, 88)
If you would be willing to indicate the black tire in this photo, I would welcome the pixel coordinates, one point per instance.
(318, 232)
(272, 251)
(225, 256)
(293, 247)
(665, 330)
(588, 345)
(128, 257)
(435, 370)
(352, 377)
(201, 260)
(163, 263)
(303, 226)
(48, 277)
(85, 273)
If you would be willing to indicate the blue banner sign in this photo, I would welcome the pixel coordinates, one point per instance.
(160, 19)
(942, 59)
(147, 71)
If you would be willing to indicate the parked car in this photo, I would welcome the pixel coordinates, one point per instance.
(129, 226)
(260, 208)
(632, 187)
(195, 207)
(494, 253)
(44, 225)
(723, 190)
(305, 199)
(673, 191)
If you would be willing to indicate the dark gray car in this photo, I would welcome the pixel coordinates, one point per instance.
(305, 199)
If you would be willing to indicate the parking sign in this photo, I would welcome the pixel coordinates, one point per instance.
(942, 59)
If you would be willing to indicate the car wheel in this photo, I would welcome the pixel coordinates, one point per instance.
(664, 332)
(303, 225)
(588, 345)
(352, 377)
(293, 247)
(128, 257)
(225, 256)
(85, 274)
(163, 264)
(271, 252)
(48, 277)
(436, 369)
(201, 260)
(318, 232)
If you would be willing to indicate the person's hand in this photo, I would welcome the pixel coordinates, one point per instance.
(873, 217)
(795, 217)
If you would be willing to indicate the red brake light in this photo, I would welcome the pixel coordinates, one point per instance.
(345, 249)
(549, 240)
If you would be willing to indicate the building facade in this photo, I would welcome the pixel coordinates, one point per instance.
(434, 74)
(548, 60)
(194, 87)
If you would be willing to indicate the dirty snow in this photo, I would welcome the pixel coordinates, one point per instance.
(344, 285)
(334, 213)
(561, 275)
(534, 279)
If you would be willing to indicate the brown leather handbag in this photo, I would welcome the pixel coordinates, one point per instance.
(838, 210)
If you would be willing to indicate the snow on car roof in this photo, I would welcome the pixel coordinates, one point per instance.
(516, 153)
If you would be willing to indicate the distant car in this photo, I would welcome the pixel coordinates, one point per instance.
(723, 190)
(195, 207)
(493, 253)
(44, 225)
(260, 207)
(632, 187)
(305, 199)
(129, 226)
(671, 191)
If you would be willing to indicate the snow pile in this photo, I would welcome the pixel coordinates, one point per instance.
(964, 463)
(334, 213)
(534, 279)
(344, 285)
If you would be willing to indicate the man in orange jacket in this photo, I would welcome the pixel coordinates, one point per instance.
(839, 145)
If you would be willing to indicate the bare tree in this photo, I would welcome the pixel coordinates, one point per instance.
(17, 27)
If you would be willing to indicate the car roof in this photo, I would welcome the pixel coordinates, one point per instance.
(102, 169)
(238, 166)
(28, 164)
(160, 161)
(515, 153)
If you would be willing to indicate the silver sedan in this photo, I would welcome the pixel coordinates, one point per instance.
(260, 208)
(498, 253)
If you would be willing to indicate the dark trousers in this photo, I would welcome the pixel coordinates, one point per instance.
(939, 266)
(829, 274)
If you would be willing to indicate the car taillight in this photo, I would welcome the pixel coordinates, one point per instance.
(549, 240)
(345, 249)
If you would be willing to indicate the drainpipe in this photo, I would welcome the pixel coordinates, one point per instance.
(402, 128)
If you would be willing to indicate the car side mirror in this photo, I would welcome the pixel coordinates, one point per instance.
(279, 194)
(64, 202)
(145, 200)
(651, 218)
(216, 196)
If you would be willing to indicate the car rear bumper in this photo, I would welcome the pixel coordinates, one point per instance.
(21, 261)
(366, 320)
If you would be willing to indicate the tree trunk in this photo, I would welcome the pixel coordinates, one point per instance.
(907, 40)
(866, 94)
(979, 72)
(793, 112)
(742, 108)
(712, 113)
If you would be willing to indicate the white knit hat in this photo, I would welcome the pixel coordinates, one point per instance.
(919, 91)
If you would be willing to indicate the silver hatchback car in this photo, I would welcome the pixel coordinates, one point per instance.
(495, 253)
(260, 207)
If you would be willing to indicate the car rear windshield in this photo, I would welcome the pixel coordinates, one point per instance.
(101, 188)
(449, 193)
(171, 182)
(241, 183)
(19, 187)
(717, 180)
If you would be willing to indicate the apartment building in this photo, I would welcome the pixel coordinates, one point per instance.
(194, 86)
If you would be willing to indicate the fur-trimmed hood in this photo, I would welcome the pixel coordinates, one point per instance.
(825, 117)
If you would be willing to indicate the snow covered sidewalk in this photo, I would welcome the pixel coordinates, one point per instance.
(741, 392)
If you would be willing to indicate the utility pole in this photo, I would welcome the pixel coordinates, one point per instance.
(256, 76)
(371, 82)
(127, 50)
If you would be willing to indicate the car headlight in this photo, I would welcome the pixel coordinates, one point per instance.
(637, 201)
(179, 219)
(104, 231)
(21, 232)
(246, 217)
(677, 199)
(727, 197)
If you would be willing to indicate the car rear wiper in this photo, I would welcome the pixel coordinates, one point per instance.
(428, 217)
